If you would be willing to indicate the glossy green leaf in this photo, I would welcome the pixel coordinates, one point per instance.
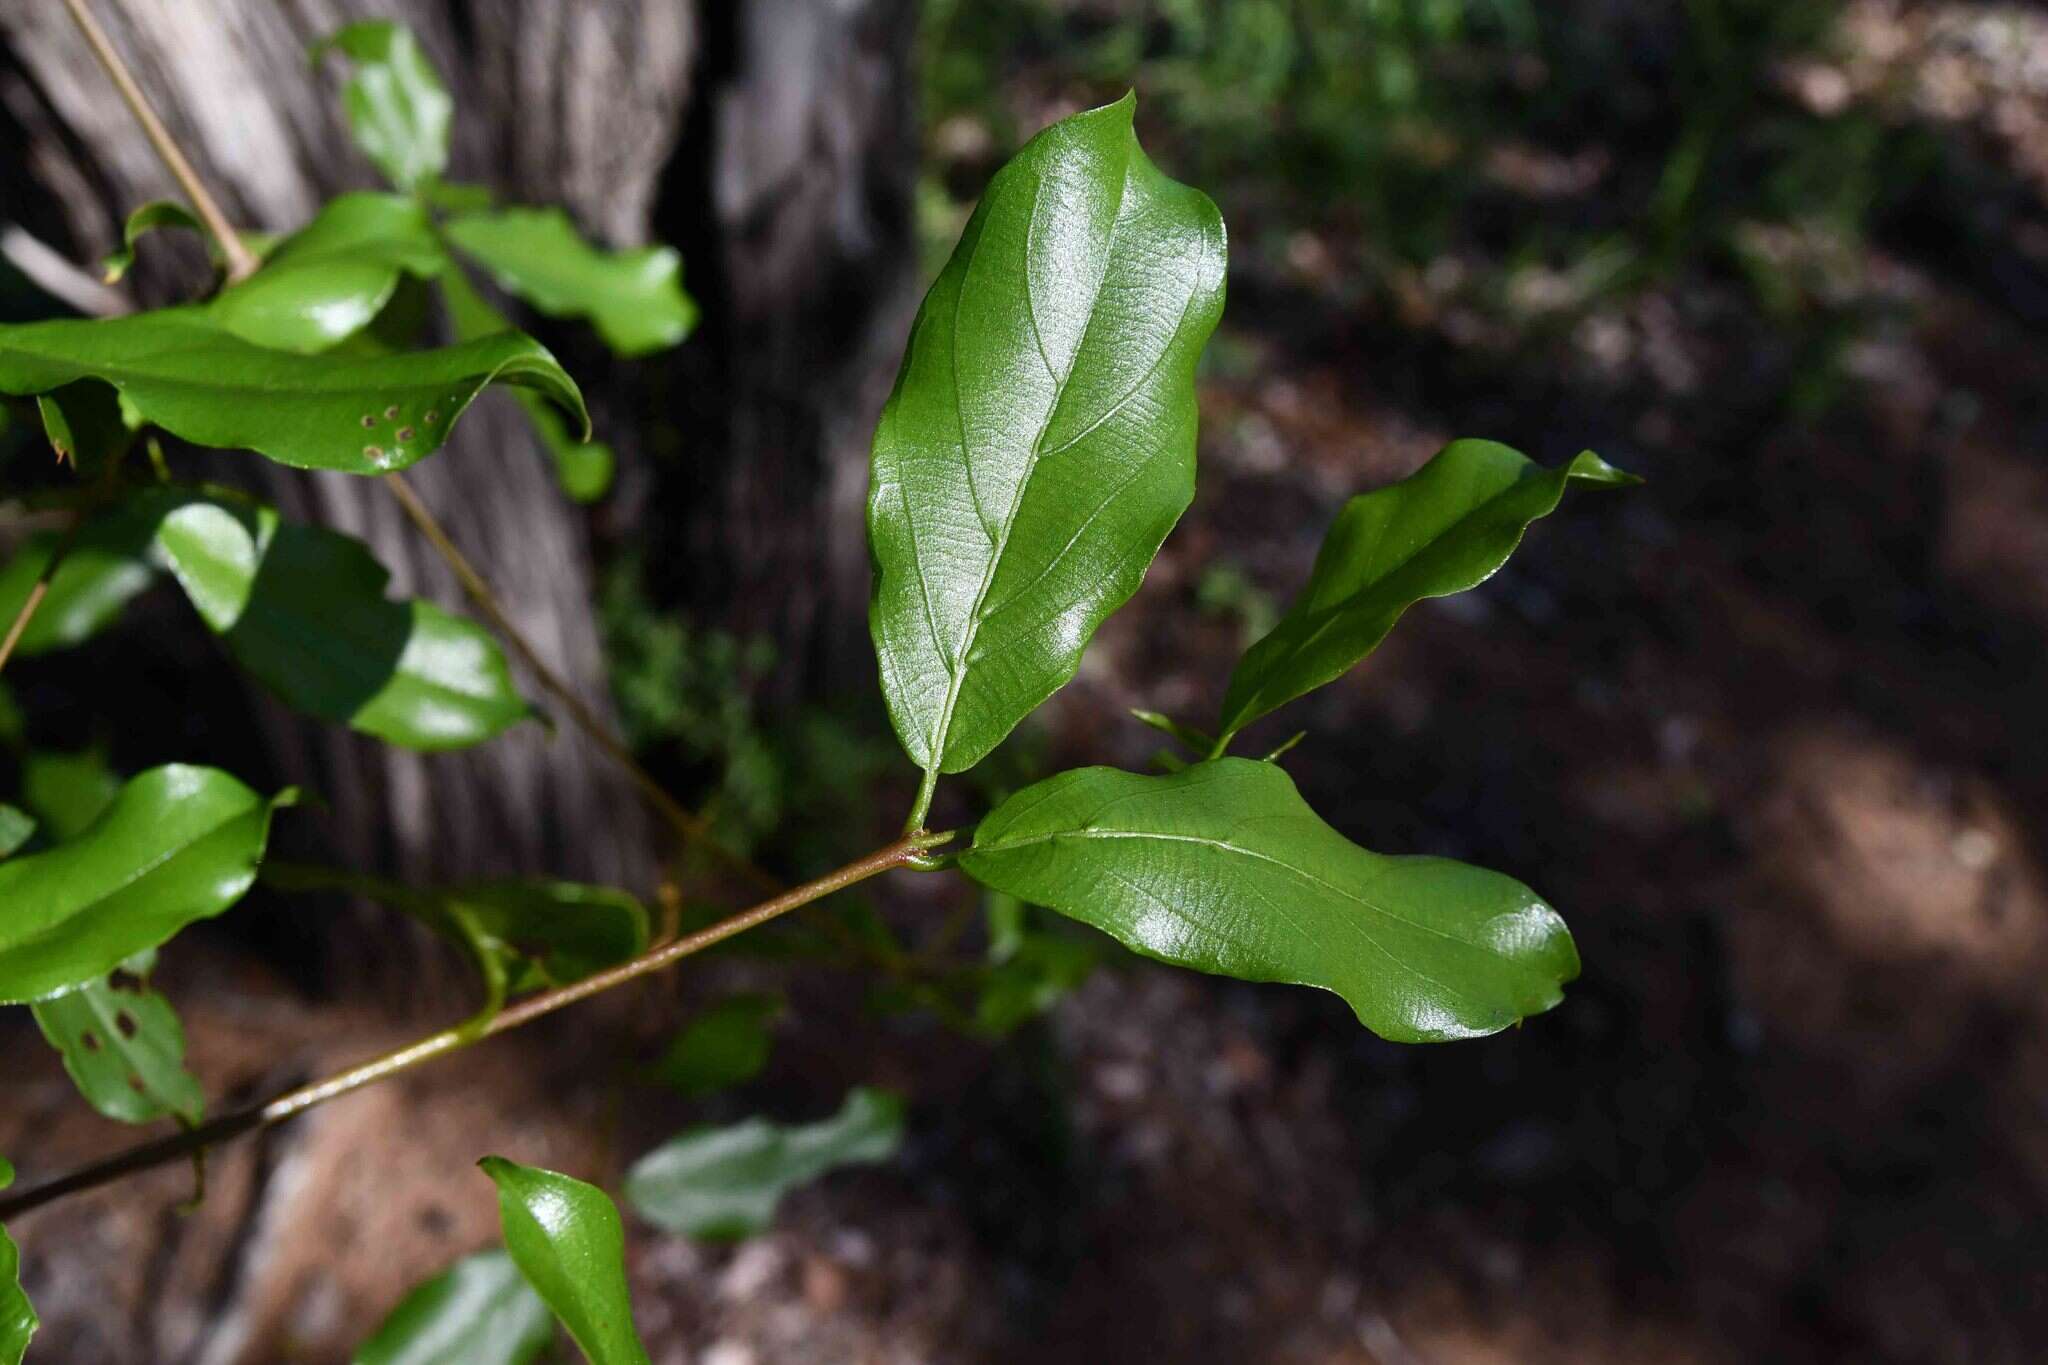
(85, 426)
(156, 214)
(17, 1315)
(1224, 868)
(331, 278)
(178, 844)
(397, 107)
(479, 1311)
(17, 827)
(1040, 442)
(724, 1183)
(567, 1239)
(303, 609)
(68, 791)
(125, 1049)
(1445, 528)
(634, 297)
(724, 1046)
(358, 414)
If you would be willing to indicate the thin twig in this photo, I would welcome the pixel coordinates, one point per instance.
(296, 1102)
(241, 261)
(687, 823)
(36, 594)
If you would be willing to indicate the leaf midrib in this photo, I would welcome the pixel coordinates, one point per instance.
(956, 661)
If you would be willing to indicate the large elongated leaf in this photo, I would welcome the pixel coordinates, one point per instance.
(397, 106)
(724, 1183)
(1445, 528)
(17, 1315)
(358, 414)
(567, 1239)
(1040, 442)
(635, 297)
(1224, 868)
(67, 790)
(328, 280)
(479, 1311)
(178, 844)
(303, 609)
(125, 1049)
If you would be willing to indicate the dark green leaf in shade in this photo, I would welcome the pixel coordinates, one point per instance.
(1224, 868)
(397, 107)
(17, 1315)
(724, 1046)
(522, 934)
(17, 827)
(67, 791)
(634, 298)
(567, 1239)
(479, 1311)
(1445, 528)
(125, 1049)
(584, 467)
(1030, 969)
(1040, 442)
(331, 278)
(721, 1184)
(85, 426)
(156, 214)
(178, 844)
(303, 609)
(106, 567)
(357, 414)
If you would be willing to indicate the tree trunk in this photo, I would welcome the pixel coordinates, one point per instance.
(774, 141)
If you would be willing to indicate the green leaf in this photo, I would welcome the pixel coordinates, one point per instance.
(1445, 528)
(17, 827)
(583, 467)
(397, 106)
(103, 571)
(358, 414)
(1040, 442)
(158, 213)
(303, 609)
(1224, 868)
(125, 1049)
(479, 1311)
(1031, 972)
(722, 1047)
(85, 426)
(635, 297)
(567, 1239)
(721, 1184)
(524, 933)
(178, 844)
(17, 1316)
(331, 278)
(68, 791)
